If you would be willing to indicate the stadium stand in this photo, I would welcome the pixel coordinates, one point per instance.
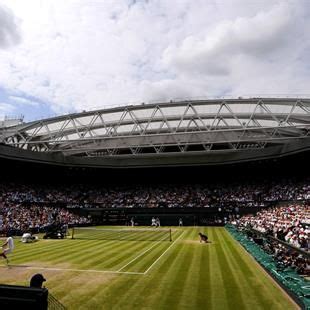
(290, 223)
(279, 238)
(288, 265)
(161, 195)
(35, 206)
(207, 162)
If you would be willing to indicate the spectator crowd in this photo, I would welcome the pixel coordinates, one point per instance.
(156, 196)
(289, 223)
(31, 206)
(16, 218)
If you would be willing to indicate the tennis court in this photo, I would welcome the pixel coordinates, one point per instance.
(98, 250)
(88, 273)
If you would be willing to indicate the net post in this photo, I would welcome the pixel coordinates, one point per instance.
(170, 235)
(72, 237)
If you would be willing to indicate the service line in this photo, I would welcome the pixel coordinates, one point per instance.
(145, 272)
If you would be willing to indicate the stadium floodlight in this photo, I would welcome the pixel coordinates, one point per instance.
(122, 234)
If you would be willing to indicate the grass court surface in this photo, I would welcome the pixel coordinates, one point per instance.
(182, 274)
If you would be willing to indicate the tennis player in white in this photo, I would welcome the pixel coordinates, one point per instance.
(8, 247)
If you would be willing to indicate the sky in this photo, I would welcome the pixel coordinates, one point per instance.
(59, 57)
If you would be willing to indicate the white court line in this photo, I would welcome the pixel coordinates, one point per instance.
(145, 272)
(138, 256)
(105, 271)
(69, 269)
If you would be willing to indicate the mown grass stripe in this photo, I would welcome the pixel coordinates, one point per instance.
(189, 276)
(195, 276)
(246, 278)
(118, 258)
(231, 286)
(105, 249)
(265, 290)
(149, 257)
(172, 244)
(102, 259)
(155, 282)
(179, 273)
(61, 254)
(250, 280)
(76, 270)
(216, 280)
(107, 252)
(43, 246)
(38, 248)
(138, 256)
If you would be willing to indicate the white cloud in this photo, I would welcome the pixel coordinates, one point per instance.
(9, 28)
(77, 55)
(24, 101)
(6, 109)
(216, 52)
(257, 54)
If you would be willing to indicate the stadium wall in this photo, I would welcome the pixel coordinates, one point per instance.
(168, 216)
(22, 169)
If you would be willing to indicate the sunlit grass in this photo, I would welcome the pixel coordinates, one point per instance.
(182, 274)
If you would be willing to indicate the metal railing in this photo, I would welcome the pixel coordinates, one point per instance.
(54, 304)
